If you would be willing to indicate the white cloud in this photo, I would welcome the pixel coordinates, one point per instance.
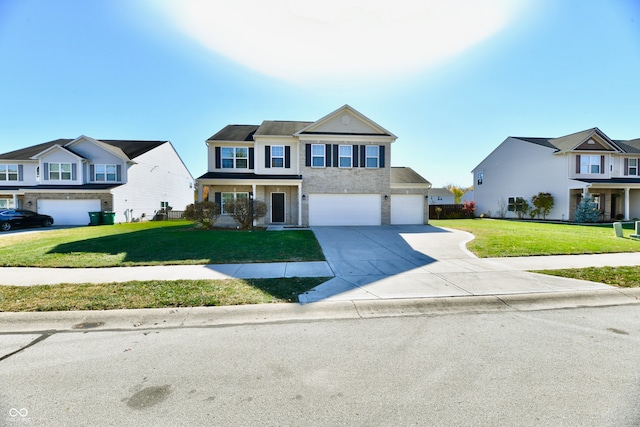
(304, 41)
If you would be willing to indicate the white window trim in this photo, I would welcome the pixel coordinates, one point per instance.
(235, 158)
(105, 173)
(367, 156)
(629, 167)
(588, 165)
(322, 156)
(5, 175)
(349, 157)
(235, 197)
(60, 172)
(279, 156)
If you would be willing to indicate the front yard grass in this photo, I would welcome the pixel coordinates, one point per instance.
(153, 294)
(500, 238)
(155, 243)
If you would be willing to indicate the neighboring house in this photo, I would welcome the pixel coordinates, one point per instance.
(334, 171)
(587, 162)
(467, 197)
(67, 178)
(441, 196)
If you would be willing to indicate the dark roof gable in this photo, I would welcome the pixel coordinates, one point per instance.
(235, 133)
(131, 148)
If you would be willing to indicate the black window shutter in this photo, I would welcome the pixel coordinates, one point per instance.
(327, 151)
(363, 156)
(218, 160)
(335, 155)
(45, 174)
(267, 156)
(218, 198)
(252, 157)
(381, 153)
(355, 156)
(578, 163)
(119, 173)
(601, 164)
(92, 173)
(20, 172)
(626, 166)
(74, 171)
(287, 157)
(307, 155)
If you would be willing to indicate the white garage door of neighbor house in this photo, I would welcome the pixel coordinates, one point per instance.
(407, 209)
(345, 209)
(69, 212)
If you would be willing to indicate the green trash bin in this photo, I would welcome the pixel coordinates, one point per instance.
(94, 218)
(108, 217)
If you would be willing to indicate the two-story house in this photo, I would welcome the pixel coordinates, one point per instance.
(67, 178)
(334, 171)
(568, 167)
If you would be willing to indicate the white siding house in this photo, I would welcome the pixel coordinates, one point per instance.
(67, 178)
(568, 167)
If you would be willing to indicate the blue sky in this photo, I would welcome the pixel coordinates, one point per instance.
(451, 79)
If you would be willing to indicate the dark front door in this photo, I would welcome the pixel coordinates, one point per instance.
(277, 207)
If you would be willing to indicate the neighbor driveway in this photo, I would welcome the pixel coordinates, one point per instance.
(416, 262)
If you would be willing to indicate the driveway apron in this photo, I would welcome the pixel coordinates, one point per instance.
(419, 261)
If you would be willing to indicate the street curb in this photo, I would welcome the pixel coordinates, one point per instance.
(68, 321)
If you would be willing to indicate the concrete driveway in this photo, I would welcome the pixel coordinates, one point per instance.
(419, 262)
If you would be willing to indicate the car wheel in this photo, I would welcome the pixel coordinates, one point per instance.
(5, 226)
(47, 223)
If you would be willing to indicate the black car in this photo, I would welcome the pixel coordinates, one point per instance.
(10, 218)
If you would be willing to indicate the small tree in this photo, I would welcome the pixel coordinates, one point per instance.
(502, 208)
(469, 207)
(242, 213)
(204, 213)
(457, 191)
(522, 207)
(543, 202)
(587, 210)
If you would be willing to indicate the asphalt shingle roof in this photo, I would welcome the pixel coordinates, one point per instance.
(406, 175)
(569, 142)
(235, 133)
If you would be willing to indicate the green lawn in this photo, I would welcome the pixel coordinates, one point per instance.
(153, 294)
(500, 238)
(497, 238)
(155, 243)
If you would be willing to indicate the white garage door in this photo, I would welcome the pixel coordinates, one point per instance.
(407, 209)
(69, 212)
(345, 209)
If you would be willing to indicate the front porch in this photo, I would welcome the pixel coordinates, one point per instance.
(283, 198)
(616, 201)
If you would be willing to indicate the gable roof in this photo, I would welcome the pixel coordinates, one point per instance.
(351, 127)
(573, 141)
(442, 192)
(131, 148)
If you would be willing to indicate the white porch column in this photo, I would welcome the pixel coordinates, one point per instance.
(253, 190)
(627, 205)
(299, 205)
(15, 201)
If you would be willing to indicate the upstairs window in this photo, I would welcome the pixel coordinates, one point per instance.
(235, 157)
(345, 155)
(590, 164)
(317, 155)
(277, 156)
(480, 177)
(60, 171)
(8, 172)
(105, 173)
(632, 169)
(372, 156)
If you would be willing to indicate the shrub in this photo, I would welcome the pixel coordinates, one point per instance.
(242, 213)
(587, 211)
(469, 207)
(205, 213)
(543, 202)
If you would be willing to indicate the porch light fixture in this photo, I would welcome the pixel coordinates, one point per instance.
(304, 197)
(386, 197)
(29, 203)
